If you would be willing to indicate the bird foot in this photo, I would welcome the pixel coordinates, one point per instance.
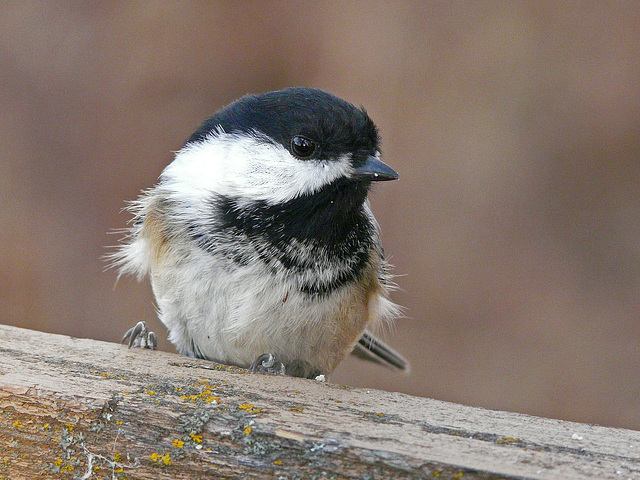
(140, 336)
(267, 363)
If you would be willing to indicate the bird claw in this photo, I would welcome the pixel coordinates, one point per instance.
(140, 336)
(267, 363)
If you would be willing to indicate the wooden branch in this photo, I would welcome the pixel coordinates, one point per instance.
(76, 408)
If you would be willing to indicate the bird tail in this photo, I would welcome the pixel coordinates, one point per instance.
(373, 349)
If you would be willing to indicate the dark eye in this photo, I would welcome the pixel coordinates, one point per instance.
(302, 146)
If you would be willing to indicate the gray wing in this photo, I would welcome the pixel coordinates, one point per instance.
(373, 349)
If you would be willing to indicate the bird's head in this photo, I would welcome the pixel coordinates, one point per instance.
(278, 146)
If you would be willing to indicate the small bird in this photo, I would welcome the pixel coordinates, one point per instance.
(259, 241)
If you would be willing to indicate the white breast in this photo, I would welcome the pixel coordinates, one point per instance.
(232, 314)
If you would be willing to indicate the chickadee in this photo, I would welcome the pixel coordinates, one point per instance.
(259, 241)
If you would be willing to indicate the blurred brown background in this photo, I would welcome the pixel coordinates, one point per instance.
(515, 127)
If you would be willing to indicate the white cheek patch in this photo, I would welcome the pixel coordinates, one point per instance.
(248, 167)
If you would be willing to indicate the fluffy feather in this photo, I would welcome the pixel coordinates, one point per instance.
(252, 250)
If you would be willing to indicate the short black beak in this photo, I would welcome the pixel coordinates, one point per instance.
(374, 170)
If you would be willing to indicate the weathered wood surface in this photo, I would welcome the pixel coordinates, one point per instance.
(77, 408)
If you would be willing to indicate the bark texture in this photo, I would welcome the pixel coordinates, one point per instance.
(79, 408)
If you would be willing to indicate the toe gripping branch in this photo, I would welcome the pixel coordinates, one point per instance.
(267, 363)
(140, 336)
